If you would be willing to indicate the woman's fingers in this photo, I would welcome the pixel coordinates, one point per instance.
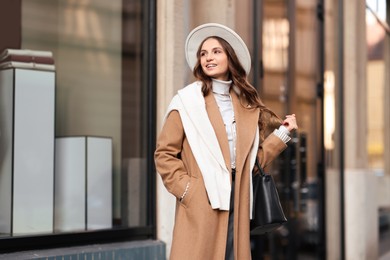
(290, 122)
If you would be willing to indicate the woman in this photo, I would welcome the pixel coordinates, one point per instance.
(213, 131)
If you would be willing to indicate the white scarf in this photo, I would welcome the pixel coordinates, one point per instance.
(204, 145)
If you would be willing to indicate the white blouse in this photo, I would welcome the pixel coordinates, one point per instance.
(224, 102)
(222, 96)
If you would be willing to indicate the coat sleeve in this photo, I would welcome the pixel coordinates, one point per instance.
(269, 149)
(167, 155)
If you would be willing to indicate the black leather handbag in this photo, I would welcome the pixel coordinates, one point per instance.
(267, 211)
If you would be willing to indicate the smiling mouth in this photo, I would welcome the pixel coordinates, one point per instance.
(211, 66)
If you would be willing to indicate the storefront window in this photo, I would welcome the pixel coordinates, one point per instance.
(377, 39)
(375, 20)
(275, 44)
(101, 114)
(291, 46)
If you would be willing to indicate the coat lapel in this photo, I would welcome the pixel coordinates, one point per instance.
(219, 127)
(246, 126)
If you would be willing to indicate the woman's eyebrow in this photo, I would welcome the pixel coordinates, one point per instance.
(213, 49)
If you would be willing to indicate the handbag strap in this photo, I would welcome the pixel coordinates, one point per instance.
(259, 167)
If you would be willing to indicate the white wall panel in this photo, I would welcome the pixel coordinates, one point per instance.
(83, 183)
(33, 152)
(6, 127)
(70, 184)
(99, 179)
(27, 150)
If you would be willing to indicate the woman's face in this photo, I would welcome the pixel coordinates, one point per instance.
(214, 60)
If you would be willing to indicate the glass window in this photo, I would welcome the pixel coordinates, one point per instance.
(378, 57)
(101, 110)
(291, 47)
(275, 43)
(375, 20)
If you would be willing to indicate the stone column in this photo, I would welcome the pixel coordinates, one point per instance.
(361, 209)
(361, 215)
(355, 59)
(216, 11)
(171, 20)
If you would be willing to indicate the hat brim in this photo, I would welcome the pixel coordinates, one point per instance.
(197, 35)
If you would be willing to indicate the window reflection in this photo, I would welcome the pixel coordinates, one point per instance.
(375, 38)
(329, 112)
(98, 52)
(275, 43)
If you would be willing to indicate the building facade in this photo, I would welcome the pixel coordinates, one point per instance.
(117, 66)
(321, 61)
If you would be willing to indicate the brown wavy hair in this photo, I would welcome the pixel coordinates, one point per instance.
(238, 76)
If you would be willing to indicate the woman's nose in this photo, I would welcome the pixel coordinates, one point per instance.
(209, 57)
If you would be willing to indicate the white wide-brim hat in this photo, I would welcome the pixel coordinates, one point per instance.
(197, 35)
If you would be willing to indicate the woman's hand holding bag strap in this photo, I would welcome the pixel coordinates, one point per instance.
(267, 211)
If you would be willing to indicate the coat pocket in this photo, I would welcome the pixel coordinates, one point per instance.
(193, 184)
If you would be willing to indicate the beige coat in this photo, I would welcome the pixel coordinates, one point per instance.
(200, 232)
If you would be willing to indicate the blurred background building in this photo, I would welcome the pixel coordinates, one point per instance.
(118, 63)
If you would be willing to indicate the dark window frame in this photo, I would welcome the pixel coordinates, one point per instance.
(116, 234)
